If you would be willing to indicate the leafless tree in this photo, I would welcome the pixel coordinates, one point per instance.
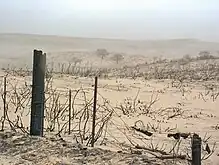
(117, 58)
(102, 53)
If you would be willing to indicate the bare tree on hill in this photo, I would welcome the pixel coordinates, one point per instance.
(102, 53)
(117, 58)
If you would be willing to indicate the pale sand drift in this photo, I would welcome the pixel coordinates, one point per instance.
(200, 115)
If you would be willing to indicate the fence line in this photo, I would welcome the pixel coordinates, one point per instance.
(195, 153)
(56, 114)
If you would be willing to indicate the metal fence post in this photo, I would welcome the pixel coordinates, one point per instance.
(196, 150)
(38, 85)
(69, 115)
(94, 112)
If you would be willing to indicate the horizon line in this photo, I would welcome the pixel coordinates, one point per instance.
(101, 38)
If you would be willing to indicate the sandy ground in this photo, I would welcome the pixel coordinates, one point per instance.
(199, 117)
(19, 149)
(197, 114)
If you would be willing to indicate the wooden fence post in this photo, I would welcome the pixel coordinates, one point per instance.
(4, 103)
(94, 112)
(38, 85)
(69, 115)
(196, 150)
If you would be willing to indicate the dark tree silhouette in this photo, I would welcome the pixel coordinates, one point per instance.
(117, 58)
(204, 55)
(102, 53)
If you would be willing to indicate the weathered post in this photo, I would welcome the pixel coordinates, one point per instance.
(4, 102)
(69, 115)
(94, 112)
(37, 102)
(196, 150)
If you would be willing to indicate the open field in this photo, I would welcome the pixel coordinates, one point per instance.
(162, 95)
(18, 48)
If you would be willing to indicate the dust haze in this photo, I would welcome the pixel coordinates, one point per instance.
(157, 65)
(139, 20)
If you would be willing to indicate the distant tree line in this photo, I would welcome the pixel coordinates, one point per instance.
(103, 53)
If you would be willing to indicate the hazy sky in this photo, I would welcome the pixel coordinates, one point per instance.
(128, 19)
